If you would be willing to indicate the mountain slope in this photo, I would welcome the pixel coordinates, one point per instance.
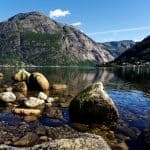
(138, 53)
(116, 48)
(32, 38)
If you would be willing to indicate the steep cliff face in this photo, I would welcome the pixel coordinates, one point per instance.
(33, 38)
(138, 53)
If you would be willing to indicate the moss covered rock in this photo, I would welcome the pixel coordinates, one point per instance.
(93, 105)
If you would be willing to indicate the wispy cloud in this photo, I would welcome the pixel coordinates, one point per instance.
(121, 30)
(76, 23)
(58, 13)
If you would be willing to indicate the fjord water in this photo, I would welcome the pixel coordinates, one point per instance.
(128, 87)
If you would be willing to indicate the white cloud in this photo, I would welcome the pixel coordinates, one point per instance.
(59, 13)
(121, 30)
(76, 23)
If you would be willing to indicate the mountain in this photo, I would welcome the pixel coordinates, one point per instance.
(116, 48)
(140, 53)
(32, 38)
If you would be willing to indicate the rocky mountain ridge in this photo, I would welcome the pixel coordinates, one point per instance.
(33, 38)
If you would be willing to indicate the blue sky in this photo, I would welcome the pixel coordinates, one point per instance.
(102, 20)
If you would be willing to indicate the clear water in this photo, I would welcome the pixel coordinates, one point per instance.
(128, 87)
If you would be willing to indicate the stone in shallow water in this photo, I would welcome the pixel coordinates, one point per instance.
(29, 139)
(59, 86)
(37, 81)
(26, 111)
(42, 96)
(20, 87)
(7, 97)
(93, 105)
(34, 102)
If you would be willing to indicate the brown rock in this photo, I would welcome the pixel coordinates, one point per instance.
(20, 87)
(29, 139)
(38, 81)
(30, 118)
(40, 130)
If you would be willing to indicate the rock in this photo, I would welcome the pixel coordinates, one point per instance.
(120, 146)
(44, 138)
(1, 75)
(20, 97)
(145, 138)
(28, 112)
(84, 142)
(8, 89)
(50, 99)
(20, 87)
(54, 113)
(30, 118)
(38, 81)
(40, 130)
(21, 75)
(59, 86)
(29, 139)
(42, 96)
(7, 97)
(93, 105)
(34, 102)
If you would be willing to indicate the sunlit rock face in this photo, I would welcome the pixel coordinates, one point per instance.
(39, 40)
(93, 105)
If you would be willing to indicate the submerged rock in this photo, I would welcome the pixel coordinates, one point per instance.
(21, 75)
(29, 139)
(59, 86)
(7, 97)
(34, 102)
(93, 105)
(38, 81)
(28, 112)
(54, 113)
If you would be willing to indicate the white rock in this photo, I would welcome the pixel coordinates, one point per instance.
(7, 97)
(50, 99)
(42, 96)
(34, 102)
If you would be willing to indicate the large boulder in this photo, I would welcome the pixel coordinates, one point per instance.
(37, 81)
(21, 75)
(7, 97)
(93, 105)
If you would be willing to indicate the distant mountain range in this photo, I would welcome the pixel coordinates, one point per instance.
(139, 53)
(116, 48)
(34, 39)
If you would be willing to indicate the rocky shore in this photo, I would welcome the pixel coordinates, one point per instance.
(43, 121)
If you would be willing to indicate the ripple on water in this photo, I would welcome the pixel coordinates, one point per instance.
(134, 107)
